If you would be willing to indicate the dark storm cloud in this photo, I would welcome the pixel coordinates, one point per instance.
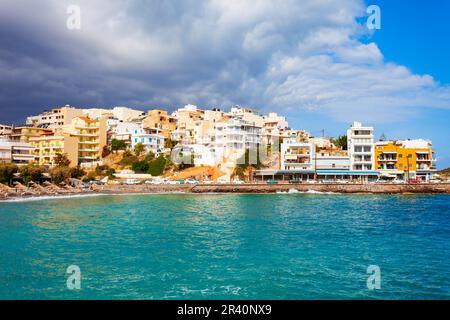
(287, 56)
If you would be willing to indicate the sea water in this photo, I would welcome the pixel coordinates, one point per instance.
(229, 246)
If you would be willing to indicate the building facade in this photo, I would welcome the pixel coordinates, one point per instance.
(152, 140)
(19, 153)
(47, 147)
(5, 130)
(160, 120)
(360, 146)
(405, 159)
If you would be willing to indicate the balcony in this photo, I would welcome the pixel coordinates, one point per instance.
(88, 150)
(87, 127)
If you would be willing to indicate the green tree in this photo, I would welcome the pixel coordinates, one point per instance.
(157, 166)
(118, 145)
(140, 166)
(138, 149)
(7, 171)
(61, 160)
(340, 142)
(32, 172)
(59, 174)
(77, 172)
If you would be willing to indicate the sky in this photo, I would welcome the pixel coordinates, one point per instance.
(314, 61)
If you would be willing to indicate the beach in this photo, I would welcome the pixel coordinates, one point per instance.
(342, 188)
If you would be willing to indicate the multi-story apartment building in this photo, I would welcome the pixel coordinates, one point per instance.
(297, 156)
(161, 120)
(19, 153)
(91, 138)
(185, 119)
(273, 129)
(47, 147)
(123, 114)
(123, 131)
(405, 159)
(23, 134)
(5, 130)
(55, 118)
(151, 139)
(234, 136)
(360, 147)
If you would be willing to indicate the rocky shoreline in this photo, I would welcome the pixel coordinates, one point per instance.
(431, 188)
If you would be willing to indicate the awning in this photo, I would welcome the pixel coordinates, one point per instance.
(347, 172)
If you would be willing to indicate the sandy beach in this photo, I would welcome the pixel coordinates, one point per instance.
(8, 194)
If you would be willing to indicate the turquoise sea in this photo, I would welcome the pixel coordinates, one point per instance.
(232, 246)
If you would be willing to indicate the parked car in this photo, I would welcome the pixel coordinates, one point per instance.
(132, 181)
(207, 181)
(190, 181)
(153, 182)
(238, 181)
(271, 181)
(173, 182)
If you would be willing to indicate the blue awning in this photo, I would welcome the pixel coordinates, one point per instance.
(347, 172)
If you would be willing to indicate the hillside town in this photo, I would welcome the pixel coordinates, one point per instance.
(191, 145)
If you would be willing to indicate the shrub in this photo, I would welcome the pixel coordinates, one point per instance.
(61, 160)
(59, 174)
(140, 166)
(76, 172)
(128, 160)
(32, 172)
(157, 166)
(110, 173)
(7, 171)
(117, 145)
(138, 149)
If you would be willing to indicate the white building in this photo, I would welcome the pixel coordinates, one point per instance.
(152, 140)
(123, 114)
(123, 131)
(360, 147)
(297, 156)
(19, 153)
(274, 127)
(233, 137)
(5, 130)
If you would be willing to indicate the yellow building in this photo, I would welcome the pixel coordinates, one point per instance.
(407, 159)
(23, 134)
(161, 121)
(47, 147)
(91, 138)
(82, 141)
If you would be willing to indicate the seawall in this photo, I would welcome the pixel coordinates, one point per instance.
(336, 188)
(266, 188)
